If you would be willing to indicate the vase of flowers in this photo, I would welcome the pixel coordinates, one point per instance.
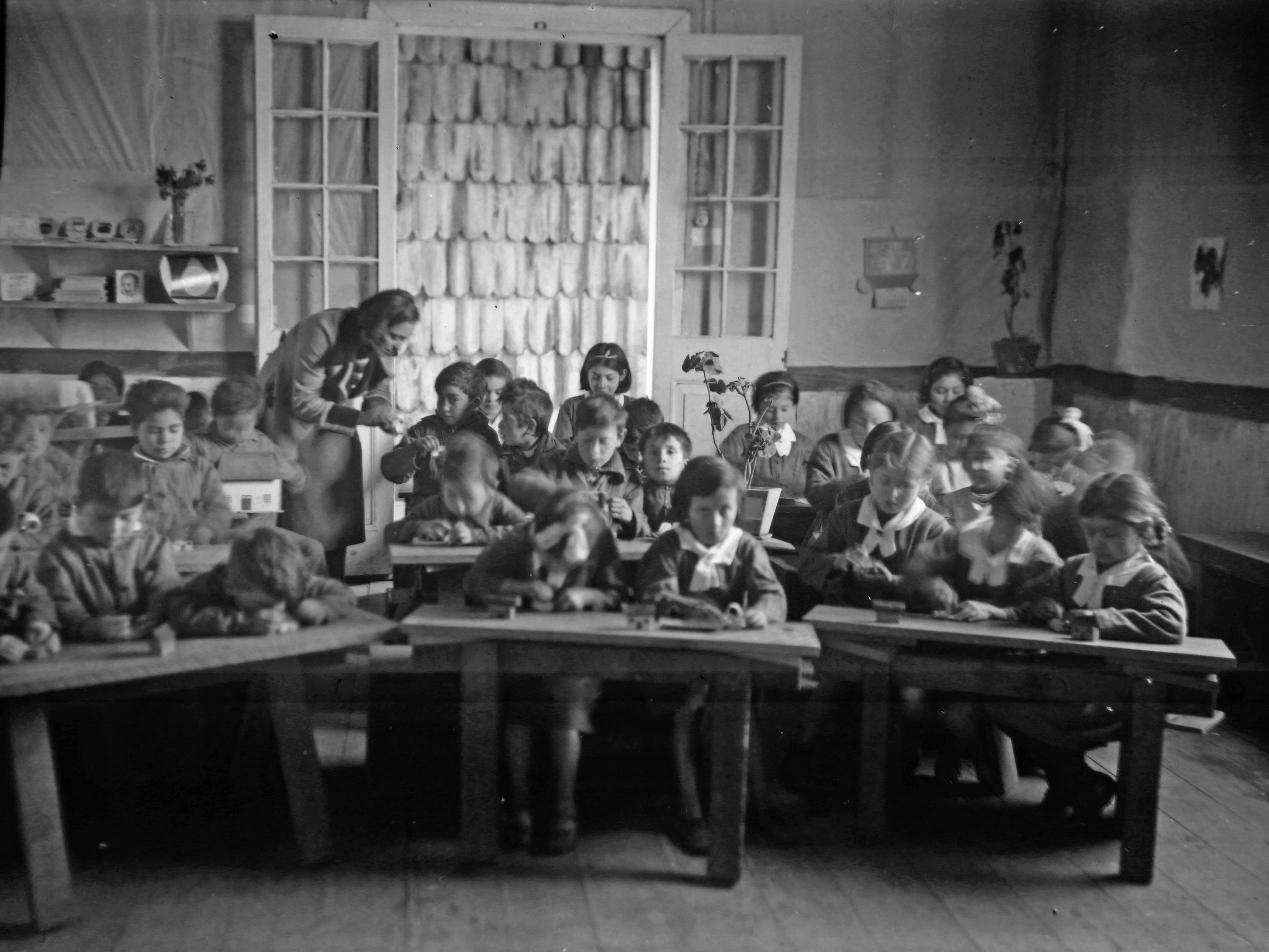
(177, 186)
(1017, 354)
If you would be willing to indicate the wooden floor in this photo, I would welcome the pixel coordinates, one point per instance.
(967, 873)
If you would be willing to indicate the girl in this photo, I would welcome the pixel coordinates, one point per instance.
(962, 417)
(835, 462)
(991, 454)
(564, 560)
(605, 369)
(497, 375)
(945, 380)
(862, 549)
(1055, 443)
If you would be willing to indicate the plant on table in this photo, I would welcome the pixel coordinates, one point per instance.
(760, 436)
(177, 186)
(1015, 353)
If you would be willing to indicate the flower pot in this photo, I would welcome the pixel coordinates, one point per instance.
(757, 508)
(1016, 356)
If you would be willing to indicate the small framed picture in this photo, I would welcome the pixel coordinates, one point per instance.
(129, 287)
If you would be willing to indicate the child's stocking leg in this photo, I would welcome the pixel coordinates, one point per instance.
(684, 763)
(566, 751)
(518, 740)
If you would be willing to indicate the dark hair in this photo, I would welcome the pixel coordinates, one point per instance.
(99, 368)
(148, 397)
(599, 409)
(873, 390)
(493, 367)
(565, 503)
(702, 476)
(1129, 498)
(608, 355)
(642, 413)
(237, 393)
(8, 512)
(993, 436)
(770, 381)
(975, 407)
(467, 459)
(1053, 434)
(876, 435)
(528, 403)
(198, 413)
(943, 367)
(906, 450)
(15, 428)
(112, 478)
(660, 432)
(384, 310)
(1023, 497)
(268, 561)
(464, 376)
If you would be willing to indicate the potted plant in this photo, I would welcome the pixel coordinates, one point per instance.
(757, 506)
(177, 186)
(1016, 354)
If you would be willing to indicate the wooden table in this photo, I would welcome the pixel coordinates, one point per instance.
(94, 671)
(1232, 566)
(603, 644)
(1030, 663)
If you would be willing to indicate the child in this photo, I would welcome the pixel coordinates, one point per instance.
(945, 380)
(185, 502)
(198, 414)
(106, 570)
(265, 587)
(28, 622)
(106, 381)
(835, 461)
(642, 413)
(1054, 445)
(469, 510)
(605, 370)
(47, 460)
(460, 388)
(962, 416)
(862, 549)
(592, 462)
(497, 375)
(709, 569)
(524, 426)
(665, 450)
(38, 499)
(564, 560)
(991, 453)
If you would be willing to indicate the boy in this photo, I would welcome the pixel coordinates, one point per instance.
(593, 462)
(47, 458)
(497, 375)
(642, 414)
(665, 450)
(186, 501)
(28, 623)
(523, 425)
(106, 571)
(264, 588)
(38, 502)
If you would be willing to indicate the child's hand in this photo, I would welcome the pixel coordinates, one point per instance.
(578, 598)
(432, 530)
(29, 522)
(755, 618)
(271, 621)
(531, 592)
(381, 415)
(42, 638)
(109, 628)
(427, 445)
(460, 534)
(310, 611)
(620, 511)
(974, 611)
(202, 535)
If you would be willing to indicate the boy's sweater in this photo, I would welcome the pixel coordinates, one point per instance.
(515, 459)
(500, 516)
(37, 491)
(185, 495)
(513, 556)
(22, 598)
(658, 499)
(401, 462)
(86, 579)
(204, 607)
(612, 480)
(750, 581)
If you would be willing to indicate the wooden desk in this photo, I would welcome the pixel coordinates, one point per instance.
(1032, 663)
(84, 671)
(1229, 565)
(196, 559)
(605, 645)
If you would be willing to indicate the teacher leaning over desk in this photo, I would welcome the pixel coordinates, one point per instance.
(321, 367)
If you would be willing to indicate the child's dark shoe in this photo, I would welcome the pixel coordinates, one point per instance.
(693, 836)
(517, 831)
(1091, 796)
(560, 837)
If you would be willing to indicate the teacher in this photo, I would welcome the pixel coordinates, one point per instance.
(311, 384)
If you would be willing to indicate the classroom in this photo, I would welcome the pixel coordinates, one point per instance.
(645, 474)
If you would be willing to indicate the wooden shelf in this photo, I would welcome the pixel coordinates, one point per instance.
(62, 243)
(192, 307)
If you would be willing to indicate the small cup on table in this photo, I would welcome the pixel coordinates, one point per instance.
(888, 612)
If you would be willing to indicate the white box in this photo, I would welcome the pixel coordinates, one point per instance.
(19, 286)
(247, 496)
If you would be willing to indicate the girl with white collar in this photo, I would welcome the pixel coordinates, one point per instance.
(836, 460)
(945, 379)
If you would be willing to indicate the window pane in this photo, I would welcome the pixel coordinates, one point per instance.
(297, 292)
(353, 71)
(297, 151)
(297, 223)
(354, 224)
(703, 243)
(297, 75)
(753, 235)
(702, 304)
(758, 92)
(353, 158)
(706, 163)
(350, 283)
(750, 305)
(709, 87)
(757, 163)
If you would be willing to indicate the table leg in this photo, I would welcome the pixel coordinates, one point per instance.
(729, 756)
(480, 751)
(1140, 764)
(297, 754)
(48, 882)
(874, 744)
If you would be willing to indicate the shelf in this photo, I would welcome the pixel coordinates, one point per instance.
(62, 243)
(193, 307)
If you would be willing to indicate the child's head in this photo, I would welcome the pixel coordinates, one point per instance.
(664, 450)
(868, 404)
(641, 414)
(1054, 443)
(876, 435)
(1111, 452)
(526, 413)
(605, 369)
(497, 375)
(15, 438)
(265, 569)
(156, 410)
(386, 321)
(110, 494)
(459, 391)
(964, 414)
(599, 428)
(991, 453)
(469, 475)
(106, 381)
(707, 498)
(899, 467)
(235, 405)
(41, 420)
(566, 528)
(1120, 513)
(198, 414)
(945, 380)
(1023, 498)
(776, 394)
